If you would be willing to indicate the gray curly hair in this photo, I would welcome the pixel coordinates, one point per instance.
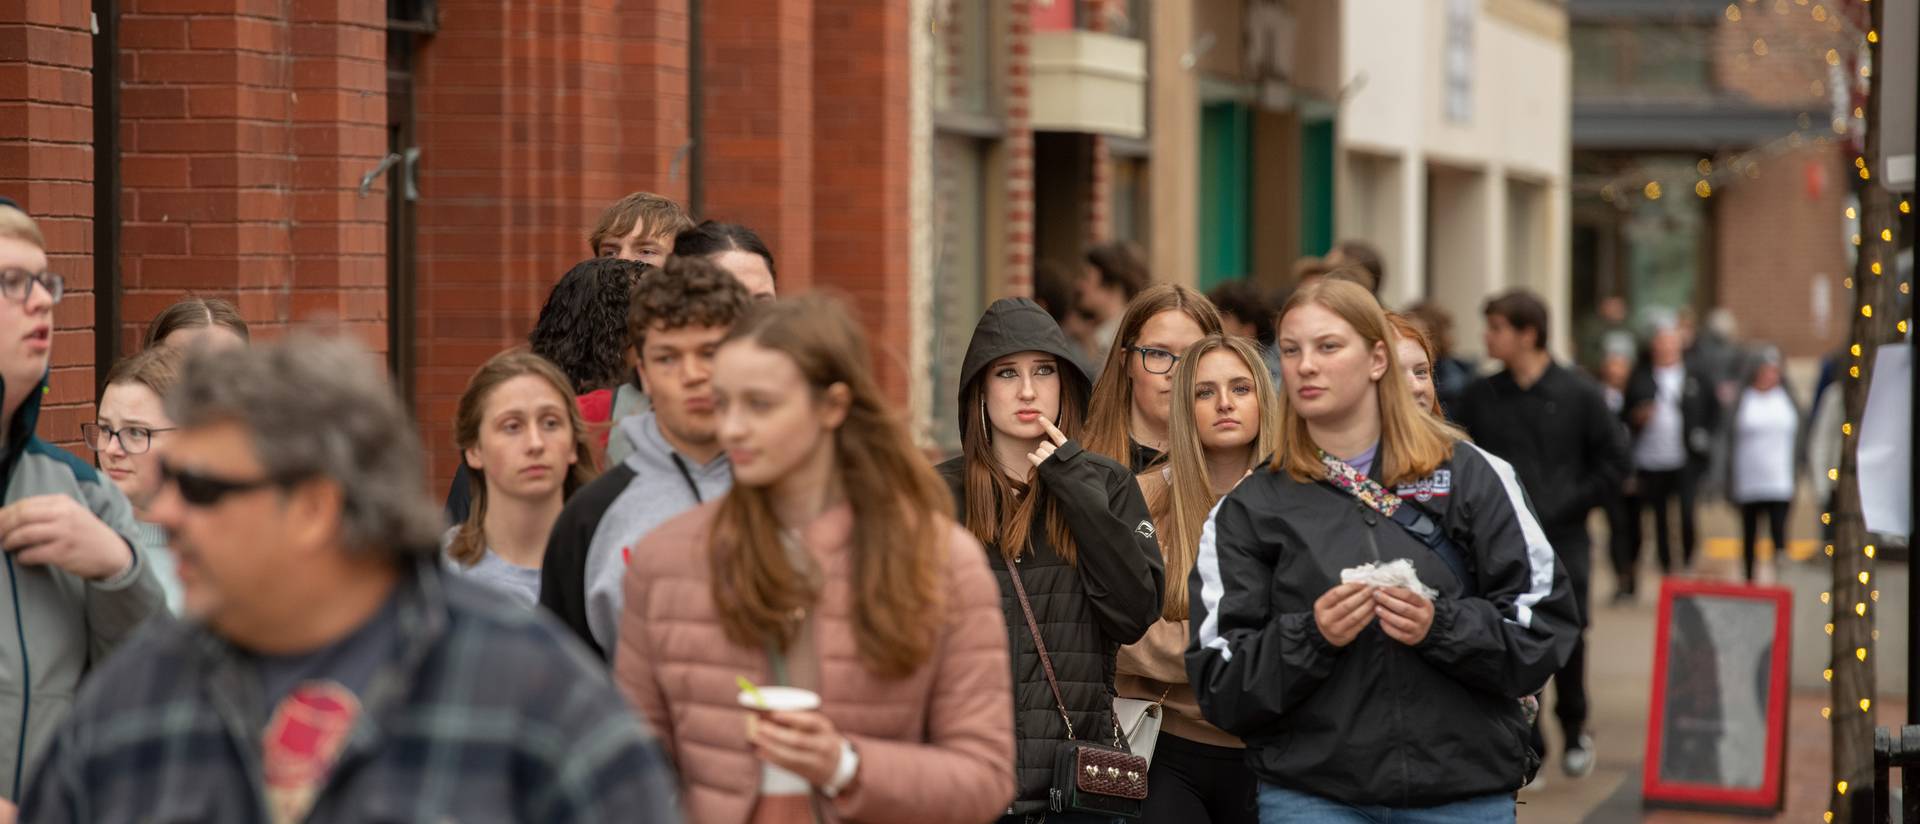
(322, 407)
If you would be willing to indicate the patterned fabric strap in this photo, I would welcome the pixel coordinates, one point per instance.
(1369, 491)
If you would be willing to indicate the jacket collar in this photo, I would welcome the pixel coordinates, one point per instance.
(21, 427)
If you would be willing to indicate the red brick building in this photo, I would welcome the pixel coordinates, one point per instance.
(419, 173)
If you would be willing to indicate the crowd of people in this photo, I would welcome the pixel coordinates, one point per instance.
(1199, 557)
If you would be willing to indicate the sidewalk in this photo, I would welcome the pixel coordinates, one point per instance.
(1620, 669)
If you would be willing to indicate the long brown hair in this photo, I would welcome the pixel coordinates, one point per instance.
(1000, 510)
(470, 543)
(1109, 414)
(1412, 443)
(900, 507)
(1180, 506)
(1410, 329)
(193, 313)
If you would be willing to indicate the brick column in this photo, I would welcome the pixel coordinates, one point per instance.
(756, 161)
(46, 163)
(862, 163)
(533, 118)
(1018, 145)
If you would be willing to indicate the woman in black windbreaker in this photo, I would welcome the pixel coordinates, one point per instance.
(1360, 701)
(1071, 522)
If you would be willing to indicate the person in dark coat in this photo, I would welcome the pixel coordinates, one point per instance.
(1070, 522)
(1553, 425)
(1673, 412)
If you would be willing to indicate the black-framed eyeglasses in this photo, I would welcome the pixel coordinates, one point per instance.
(1157, 361)
(16, 284)
(133, 439)
(206, 490)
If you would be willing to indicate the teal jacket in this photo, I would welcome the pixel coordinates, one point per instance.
(55, 626)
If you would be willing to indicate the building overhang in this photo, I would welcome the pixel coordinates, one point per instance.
(1703, 126)
(1090, 82)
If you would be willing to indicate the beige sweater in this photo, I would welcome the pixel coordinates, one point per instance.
(1156, 666)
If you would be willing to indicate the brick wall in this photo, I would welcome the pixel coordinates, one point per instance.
(756, 164)
(46, 163)
(245, 128)
(1778, 237)
(1018, 145)
(532, 119)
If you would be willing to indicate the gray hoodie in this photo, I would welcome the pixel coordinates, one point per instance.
(586, 557)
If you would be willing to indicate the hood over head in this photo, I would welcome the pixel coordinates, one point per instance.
(1011, 326)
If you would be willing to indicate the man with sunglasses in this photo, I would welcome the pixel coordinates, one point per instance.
(329, 669)
(76, 580)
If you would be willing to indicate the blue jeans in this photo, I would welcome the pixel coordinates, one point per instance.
(1283, 806)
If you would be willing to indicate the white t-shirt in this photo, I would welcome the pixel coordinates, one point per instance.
(1763, 446)
(1663, 443)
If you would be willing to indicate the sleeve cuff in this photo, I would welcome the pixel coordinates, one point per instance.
(124, 578)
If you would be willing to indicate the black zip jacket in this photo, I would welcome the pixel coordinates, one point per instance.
(1559, 436)
(1699, 408)
(1377, 721)
(1087, 610)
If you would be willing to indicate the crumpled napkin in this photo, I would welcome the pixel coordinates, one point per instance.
(1388, 574)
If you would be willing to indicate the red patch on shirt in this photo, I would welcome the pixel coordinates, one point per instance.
(303, 739)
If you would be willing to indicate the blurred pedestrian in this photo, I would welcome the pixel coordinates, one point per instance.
(1055, 291)
(319, 612)
(1451, 373)
(1224, 422)
(1363, 255)
(1360, 701)
(1308, 269)
(735, 248)
(1066, 533)
(196, 320)
(1607, 324)
(130, 424)
(1623, 518)
(1115, 274)
(1128, 419)
(678, 318)
(1766, 454)
(1415, 351)
(641, 226)
(520, 433)
(1672, 412)
(832, 570)
(1552, 425)
(78, 576)
(1246, 311)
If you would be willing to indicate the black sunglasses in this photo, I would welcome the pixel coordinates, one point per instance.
(205, 490)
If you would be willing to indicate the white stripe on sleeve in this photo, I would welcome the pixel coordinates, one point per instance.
(1207, 563)
(1539, 550)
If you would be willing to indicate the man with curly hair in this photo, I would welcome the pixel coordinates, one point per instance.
(676, 320)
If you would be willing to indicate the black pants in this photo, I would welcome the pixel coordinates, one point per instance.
(1623, 541)
(1657, 492)
(1776, 513)
(1195, 783)
(1575, 550)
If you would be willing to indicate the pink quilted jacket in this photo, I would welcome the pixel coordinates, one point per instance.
(935, 747)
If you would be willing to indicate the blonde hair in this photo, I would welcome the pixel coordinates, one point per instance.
(663, 218)
(1412, 443)
(1180, 506)
(15, 223)
(1411, 329)
(1108, 417)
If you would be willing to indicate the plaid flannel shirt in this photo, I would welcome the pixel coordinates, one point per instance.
(488, 713)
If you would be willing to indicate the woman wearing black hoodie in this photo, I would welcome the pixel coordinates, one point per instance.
(1071, 522)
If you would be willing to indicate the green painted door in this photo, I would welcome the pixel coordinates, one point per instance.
(1225, 174)
(1316, 187)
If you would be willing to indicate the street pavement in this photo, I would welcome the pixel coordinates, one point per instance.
(1620, 670)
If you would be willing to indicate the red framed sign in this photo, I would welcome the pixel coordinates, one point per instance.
(1717, 724)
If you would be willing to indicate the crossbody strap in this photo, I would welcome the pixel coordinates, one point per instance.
(1344, 477)
(1046, 661)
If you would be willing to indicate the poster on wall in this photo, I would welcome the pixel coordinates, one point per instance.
(1716, 725)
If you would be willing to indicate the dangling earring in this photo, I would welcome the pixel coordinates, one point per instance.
(985, 429)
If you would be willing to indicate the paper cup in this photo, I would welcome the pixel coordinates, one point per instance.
(774, 780)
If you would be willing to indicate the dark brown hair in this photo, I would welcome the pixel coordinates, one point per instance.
(901, 510)
(711, 238)
(1362, 254)
(157, 369)
(1522, 310)
(1120, 263)
(1000, 510)
(687, 291)
(470, 543)
(194, 313)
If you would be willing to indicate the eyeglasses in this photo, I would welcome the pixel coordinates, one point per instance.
(133, 439)
(1157, 361)
(205, 490)
(17, 284)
